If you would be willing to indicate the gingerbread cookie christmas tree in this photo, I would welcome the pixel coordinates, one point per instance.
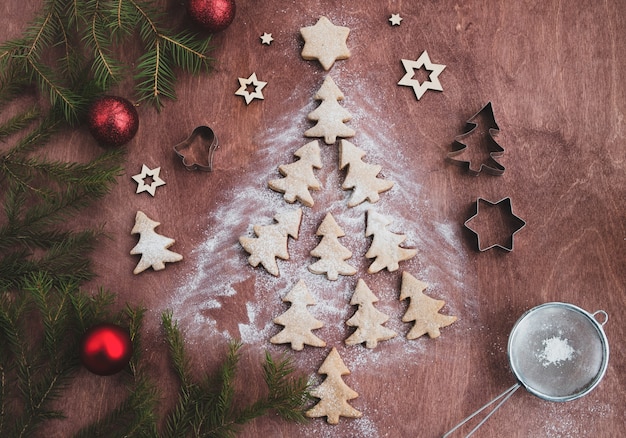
(297, 320)
(271, 241)
(385, 247)
(330, 116)
(361, 177)
(368, 320)
(152, 246)
(422, 309)
(330, 252)
(299, 176)
(333, 392)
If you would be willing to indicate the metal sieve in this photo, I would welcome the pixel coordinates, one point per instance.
(557, 351)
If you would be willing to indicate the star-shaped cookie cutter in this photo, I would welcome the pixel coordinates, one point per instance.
(515, 223)
(146, 172)
(197, 150)
(495, 150)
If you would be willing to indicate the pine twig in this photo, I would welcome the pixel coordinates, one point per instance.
(18, 122)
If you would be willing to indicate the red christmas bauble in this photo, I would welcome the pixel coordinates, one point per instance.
(112, 120)
(105, 349)
(212, 15)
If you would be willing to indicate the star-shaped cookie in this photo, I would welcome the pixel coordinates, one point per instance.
(325, 42)
(251, 81)
(146, 172)
(266, 38)
(411, 66)
(395, 19)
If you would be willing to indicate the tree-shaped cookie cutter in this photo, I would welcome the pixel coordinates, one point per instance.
(495, 150)
(197, 150)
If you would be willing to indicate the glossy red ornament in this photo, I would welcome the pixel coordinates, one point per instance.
(212, 15)
(105, 349)
(112, 120)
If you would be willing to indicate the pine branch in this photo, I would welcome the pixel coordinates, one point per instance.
(18, 122)
(155, 77)
(176, 345)
(40, 195)
(38, 137)
(155, 69)
(68, 102)
(87, 310)
(37, 385)
(97, 25)
(136, 415)
(105, 68)
(227, 377)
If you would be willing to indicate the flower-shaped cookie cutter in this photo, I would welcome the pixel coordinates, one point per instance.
(197, 150)
(507, 219)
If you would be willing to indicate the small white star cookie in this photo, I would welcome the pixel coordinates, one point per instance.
(433, 79)
(266, 38)
(395, 19)
(146, 172)
(245, 93)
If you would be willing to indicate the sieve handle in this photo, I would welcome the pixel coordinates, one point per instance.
(605, 317)
(501, 398)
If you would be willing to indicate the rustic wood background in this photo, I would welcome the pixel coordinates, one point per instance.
(554, 74)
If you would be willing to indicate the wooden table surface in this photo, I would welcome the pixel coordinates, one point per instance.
(554, 72)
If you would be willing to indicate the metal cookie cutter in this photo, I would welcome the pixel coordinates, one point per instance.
(197, 150)
(557, 352)
(507, 218)
(489, 129)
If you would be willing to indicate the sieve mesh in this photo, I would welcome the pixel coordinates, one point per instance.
(558, 352)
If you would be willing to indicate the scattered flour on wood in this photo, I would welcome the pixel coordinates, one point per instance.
(221, 263)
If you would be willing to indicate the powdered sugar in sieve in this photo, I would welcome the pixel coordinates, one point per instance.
(557, 351)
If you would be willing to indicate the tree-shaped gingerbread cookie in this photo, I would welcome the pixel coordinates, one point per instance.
(385, 247)
(299, 176)
(271, 241)
(297, 321)
(422, 309)
(331, 253)
(367, 319)
(330, 116)
(333, 392)
(152, 246)
(361, 177)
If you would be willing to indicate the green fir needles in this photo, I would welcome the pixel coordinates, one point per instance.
(39, 195)
(209, 407)
(40, 330)
(69, 49)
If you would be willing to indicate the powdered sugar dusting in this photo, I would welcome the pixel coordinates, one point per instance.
(556, 350)
(221, 270)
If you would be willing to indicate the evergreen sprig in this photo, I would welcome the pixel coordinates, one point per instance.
(36, 369)
(39, 195)
(40, 330)
(208, 408)
(68, 51)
